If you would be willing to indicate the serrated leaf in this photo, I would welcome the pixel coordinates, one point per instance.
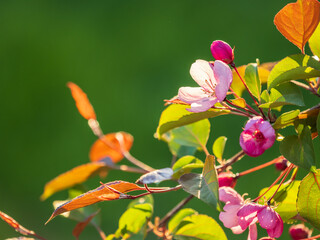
(178, 217)
(199, 227)
(176, 115)
(299, 149)
(218, 146)
(156, 176)
(203, 186)
(285, 199)
(314, 42)
(251, 77)
(286, 119)
(308, 202)
(293, 67)
(185, 165)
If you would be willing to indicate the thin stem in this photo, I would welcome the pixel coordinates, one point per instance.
(237, 110)
(137, 162)
(101, 233)
(247, 105)
(259, 167)
(231, 161)
(126, 168)
(305, 86)
(151, 191)
(239, 113)
(245, 109)
(311, 238)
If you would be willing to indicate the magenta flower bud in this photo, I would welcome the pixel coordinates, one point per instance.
(258, 136)
(299, 231)
(222, 51)
(281, 165)
(267, 238)
(227, 179)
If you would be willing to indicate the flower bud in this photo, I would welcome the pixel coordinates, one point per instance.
(222, 51)
(227, 179)
(299, 231)
(267, 238)
(281, 164)
(258, 135)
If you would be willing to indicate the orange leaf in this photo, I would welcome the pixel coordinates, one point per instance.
(107, 192)
(82, 102)
(82, 225)
(70, 178)
(297, 21)
(100, 149)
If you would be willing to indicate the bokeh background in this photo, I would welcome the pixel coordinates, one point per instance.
(128, 56)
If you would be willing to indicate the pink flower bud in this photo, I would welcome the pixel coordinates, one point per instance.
(258, 135)
(281, 164)
(299, 231)
(227, 179)
(222, 51)
(267, 238)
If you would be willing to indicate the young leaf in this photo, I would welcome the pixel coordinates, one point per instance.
(179, 150)
(203, 186)
(82, 225)
(286, 119)
(73, 177)
(178, 217)
(251, 77)
(285, 199)
(240, 102)
(199, 227)
(156, 176)
(314, 42)
(297, 21)
(299, 149)
(185, 165)
(176, 115)
(293, 67)
(106, 192)
(82, 102)
(308, 202)
(284, 94)
(218, 146)
(100, 149)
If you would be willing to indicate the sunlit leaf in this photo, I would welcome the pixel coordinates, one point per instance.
(82, 102)
(314, 42)
(286, 119)
(100, 149)
(252, 79)
(106, 192)
(73, 177)
(297, 21)
(178, 217)
(185, 165)
(199, 227)
(308, 203)
(82, 225)
(299, 149)
(285, 199)
(240, 102)
(203, 186)
(293, 67)
(156, 176)
(218, 146)
(176, 115)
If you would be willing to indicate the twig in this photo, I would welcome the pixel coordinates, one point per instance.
(231, 161)
(311, 238)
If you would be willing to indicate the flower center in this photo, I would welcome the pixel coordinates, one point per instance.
(258, 136)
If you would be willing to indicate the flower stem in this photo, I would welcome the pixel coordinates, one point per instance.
(311, 238)
(247, 105)
(245, 109)
(230, 161)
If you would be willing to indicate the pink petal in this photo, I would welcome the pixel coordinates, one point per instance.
(229, 217)
(253, 233)
(223, 76)
(252, 123)
(229, 195)
(201, 71)
(269, 133)
(237, 230)
(247, 214)
(191, 94)
(267, 218)
(249, 144)
(278, 229)
(202, 105)
(222, 51)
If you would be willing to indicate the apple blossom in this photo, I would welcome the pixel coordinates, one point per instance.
(299, 231)
(222, 51)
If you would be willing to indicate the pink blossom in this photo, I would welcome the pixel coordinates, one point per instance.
(222, 51)
(227, 179)
(214, 81)
(299, 231)
(258, 135)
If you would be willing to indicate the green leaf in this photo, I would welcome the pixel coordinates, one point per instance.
(308, 203)
(314, 42)
(199, 227)
(284, 94)
(176, 115)
(180, 150)
(204, 186)
(294, 67)
(285, 198)
(218, 146)
(299, 149)
(185, 165)
(286, 119)
(251, 77)
(178, 217)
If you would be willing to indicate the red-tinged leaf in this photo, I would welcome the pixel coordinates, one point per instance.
(106, 192)
(73, 177)
(82, 102)
(297, 21)
(20, 229)
(110, 147)
(82, 225)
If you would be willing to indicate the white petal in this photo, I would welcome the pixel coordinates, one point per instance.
(223, 77)
(202, 105)
(191, 94)
(202, 72)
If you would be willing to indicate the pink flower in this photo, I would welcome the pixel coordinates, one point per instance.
(299, 231)
(222, 51)
(214, 81)
(227, 179)
(258, 135)
(267, 217)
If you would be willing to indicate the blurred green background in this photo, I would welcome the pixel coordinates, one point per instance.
(128, 56)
